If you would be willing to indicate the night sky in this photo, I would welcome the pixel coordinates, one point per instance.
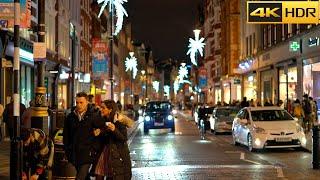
(165, 25)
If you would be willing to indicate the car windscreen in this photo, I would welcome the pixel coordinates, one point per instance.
(270, 115)
(226, 112)
(158, 106)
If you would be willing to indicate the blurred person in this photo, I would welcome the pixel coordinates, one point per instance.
(26, 116)
(114, 161)
(80, 144)
(298, 111)
(8, 117)
(119, 105)
(244, 102)
(38, 153)
(307, 108)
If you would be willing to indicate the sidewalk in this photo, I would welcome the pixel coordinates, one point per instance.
(5, 153)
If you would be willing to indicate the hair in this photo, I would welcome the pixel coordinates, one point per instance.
(110, 104)
(82, 94)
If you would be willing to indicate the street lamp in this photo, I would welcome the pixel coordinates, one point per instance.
(143, 78)
(114, 5)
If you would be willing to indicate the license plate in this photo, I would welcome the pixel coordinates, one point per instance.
(158, 124)
(283, 139)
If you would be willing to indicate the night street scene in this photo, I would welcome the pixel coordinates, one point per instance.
(159, 90)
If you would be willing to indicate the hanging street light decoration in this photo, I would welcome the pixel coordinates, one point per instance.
(155, 85)
(166, 90)
(119, 9)
(183, 73)
(131, 65)
(195, 45)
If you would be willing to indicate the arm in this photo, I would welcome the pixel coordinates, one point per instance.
(120, 132)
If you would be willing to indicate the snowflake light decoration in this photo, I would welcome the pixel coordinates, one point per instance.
(166, 90)
(131, 64)
(195, 45)
(119, 9)
(155, 85)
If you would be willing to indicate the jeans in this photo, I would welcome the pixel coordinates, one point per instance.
(82, 172)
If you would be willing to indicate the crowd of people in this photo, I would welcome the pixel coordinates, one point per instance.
(94, 137)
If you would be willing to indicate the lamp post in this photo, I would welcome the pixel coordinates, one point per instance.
(114, 5)
(143, 72)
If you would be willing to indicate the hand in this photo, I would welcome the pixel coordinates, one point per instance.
(24, 176)
(96, 132)
(111, 126)
(34, 177)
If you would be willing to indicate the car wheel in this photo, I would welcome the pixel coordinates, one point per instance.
(234, 140)
(216, 133)
(146, 130)
(250, 143)
(173, 129)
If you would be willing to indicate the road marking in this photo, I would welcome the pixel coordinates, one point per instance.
(242, 156)
(133, 135)
(252, 162)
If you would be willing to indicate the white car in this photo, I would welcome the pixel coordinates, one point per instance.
(267, 127)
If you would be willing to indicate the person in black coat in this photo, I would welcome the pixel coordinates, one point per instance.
(114, 161)
(81, 146)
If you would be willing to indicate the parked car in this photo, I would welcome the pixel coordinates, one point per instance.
(221, 119)
(267, 127)
(158, 115)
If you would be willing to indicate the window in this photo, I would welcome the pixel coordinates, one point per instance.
(270, 115)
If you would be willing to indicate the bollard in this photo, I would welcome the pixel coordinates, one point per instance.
(315, 147)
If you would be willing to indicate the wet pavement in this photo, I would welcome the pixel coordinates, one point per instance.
(182, 155)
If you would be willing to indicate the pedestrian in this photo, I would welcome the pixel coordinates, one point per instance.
(307, 108)
(81, 147)
(119, 105)
(38, 153)
(26, 116)
(114, 161)
(298, 111)
(8, 117)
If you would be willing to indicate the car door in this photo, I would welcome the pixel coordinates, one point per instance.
(245, 127)
(237, 126)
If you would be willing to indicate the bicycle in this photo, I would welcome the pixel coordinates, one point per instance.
(202, 129)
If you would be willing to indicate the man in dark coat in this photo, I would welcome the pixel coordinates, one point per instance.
(8, 117)
(80, 145)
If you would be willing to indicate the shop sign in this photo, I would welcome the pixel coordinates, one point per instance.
(314, 42)
(294, 46)
(7, 13)
(6, 64)
(39, 51)
(236, 81)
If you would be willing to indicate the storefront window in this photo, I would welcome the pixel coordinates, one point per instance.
(311, 80)
(217, 93)
(26, 85)
(250, 87)
(292, 84)
(62, 96)
(226, 93)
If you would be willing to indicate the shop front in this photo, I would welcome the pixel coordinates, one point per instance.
(250, 86)
(217, 93)
(288, 83)
(266, 85)
(311, 78)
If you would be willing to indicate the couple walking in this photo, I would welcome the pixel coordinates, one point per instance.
(97, 140)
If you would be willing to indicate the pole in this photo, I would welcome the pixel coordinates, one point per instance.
(16, 143)
(40, 110)
(131, 87)
(111, 51)
(146, 87)
(73, 65)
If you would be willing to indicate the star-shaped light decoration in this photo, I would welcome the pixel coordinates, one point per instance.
(119, 9)
(195, 45)
(131, 64)
(155, 85)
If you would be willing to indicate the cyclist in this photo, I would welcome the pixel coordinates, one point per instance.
(202, 116)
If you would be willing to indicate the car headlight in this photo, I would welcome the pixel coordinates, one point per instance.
(147, 118)
(170, 117)
(299, 129)
(260, 130)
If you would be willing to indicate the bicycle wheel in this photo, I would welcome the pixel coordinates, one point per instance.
(202, 130)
